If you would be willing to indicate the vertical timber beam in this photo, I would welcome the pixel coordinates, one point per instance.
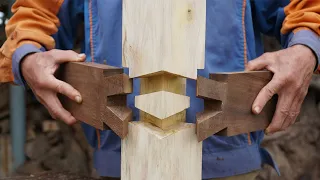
(163, 44)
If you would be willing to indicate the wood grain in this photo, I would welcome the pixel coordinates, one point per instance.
(152, 153)
(103, 89)
(162, 104)
(166, 123)
(163, 82)
(228, 104)
(163, 42)
(164, 36)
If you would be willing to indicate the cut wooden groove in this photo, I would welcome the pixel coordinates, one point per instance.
(166, 123)
(163, 82)
(162, 104)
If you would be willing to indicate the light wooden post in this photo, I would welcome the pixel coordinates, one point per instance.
(163, 44)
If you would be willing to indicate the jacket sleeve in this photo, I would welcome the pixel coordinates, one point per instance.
(292, 22)
(30, 29)
(302, 24)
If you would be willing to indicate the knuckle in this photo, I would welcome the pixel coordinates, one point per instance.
(249, 65)
(54, 113)
(284, 112)
(289, 78)
(69, 51)
(270, 91)
(292, 115)
(53, 51)
(267, 55)
(59, 88)
(291, 75)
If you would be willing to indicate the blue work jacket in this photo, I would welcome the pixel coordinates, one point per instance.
(233, 37)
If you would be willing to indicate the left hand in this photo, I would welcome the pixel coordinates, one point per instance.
(293, 68)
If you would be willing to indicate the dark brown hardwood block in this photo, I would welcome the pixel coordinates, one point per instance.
(228, 103)
(103, 89)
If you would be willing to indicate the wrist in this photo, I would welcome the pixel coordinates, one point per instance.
(306, 53)
(308, 39)
(25, 62)
(17, 57)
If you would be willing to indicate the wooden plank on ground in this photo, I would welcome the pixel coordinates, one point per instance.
(103, 89)
(228, 103)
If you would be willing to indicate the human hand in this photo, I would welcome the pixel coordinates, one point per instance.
(293, 68)
(38, 71)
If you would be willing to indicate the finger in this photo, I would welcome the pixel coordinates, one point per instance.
(259, 63)
(61, 56)
(292, 116)
(282, 112)
(296, 107)
(56, 110)
(65, 89)
(294, 111)
(266, 94)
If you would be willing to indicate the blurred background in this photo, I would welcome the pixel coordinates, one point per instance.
(31, 142)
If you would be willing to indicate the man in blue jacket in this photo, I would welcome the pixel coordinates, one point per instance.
(233, 43)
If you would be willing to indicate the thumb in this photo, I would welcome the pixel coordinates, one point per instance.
(62, 56)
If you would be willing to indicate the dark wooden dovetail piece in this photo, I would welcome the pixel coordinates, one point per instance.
(103, 89)
(228, 103)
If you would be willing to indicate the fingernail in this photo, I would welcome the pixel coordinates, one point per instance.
(257, 109)
(81, 56)
(78, 99)
(267, 132)
(72, 121)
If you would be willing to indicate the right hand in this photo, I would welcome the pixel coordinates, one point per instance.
(38, 71)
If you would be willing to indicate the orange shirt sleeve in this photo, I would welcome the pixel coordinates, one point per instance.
(33, 22)
(302, 14)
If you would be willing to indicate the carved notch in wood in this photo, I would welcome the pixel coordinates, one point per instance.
(103, 89)
(228, 100)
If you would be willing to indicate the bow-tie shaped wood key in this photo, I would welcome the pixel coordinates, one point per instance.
(228, 99)
(103, 89)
